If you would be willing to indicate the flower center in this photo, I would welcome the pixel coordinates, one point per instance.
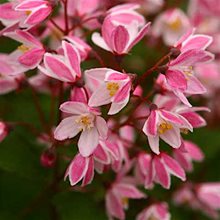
(152, 217)
(23, 48)
(27, 12)
(163, 127)
(85, 122)
(188, 71)
(112, 87)
(184, 130)
(124, 201)
(175, 25)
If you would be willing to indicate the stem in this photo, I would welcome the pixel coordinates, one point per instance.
(149, 71)
(65, 2)
(39, 109)
(56, 25)
(60, 100)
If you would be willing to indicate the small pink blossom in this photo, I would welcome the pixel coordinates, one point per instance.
(27, 56)
(108, 86)
(158, 169)
(3, 131)
(119, 38)
(188, 153)
(63, 67)
(82, 47)
(171, 24)
(81, 118)
(165, 125)
(156, 211)
(81, 168)
(117, 198)
(35, 10)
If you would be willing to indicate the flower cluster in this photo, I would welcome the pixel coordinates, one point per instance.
(121, 121)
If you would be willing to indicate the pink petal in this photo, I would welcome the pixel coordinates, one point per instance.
(192, 57)
(100, 97)
(76, 108)
(154, 144)
(72, 56)
(77, 169)
(176, 79)
(194, 86)
(78, 95)
(102, 127)
(123, 93)
(173, 167)
(140, 35)
(172, 137)
(114, 76)
(116, 107)
(120, 38)
(114, 206)
(27, 5)
(126, 190)
(183, 160)
(197, 41)
(194, 151)
(101, 155)
(88, 141)
(38, 16)
(66, 129)
(31, 58)
(171, 117)
(194, 119)
(7, 12)
(24, 37)
(89, 173)
(150, 126)
(99, 41)
(161, 173)
(58, 67)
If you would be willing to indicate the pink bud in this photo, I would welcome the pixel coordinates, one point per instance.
(48, 159)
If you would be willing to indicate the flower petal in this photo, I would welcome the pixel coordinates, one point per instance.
(88, 141)
(66, 129)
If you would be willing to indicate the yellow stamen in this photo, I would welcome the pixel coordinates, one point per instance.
(23, 48)
(152, 217)
(28, 12)
(175, 25)
(184, 130)
(85, 121)
(125, 201)
(163, 127)
(112, 87)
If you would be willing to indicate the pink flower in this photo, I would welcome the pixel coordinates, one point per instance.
(63, 67)
(171, 24)
(209, 194)
(156, 211)
(187, 153)
(81, 118)
(27, 56)
(82, 7)
(81, 168)
(25, 13)
(117, 198)
(82, 47)
(108, 86)
(8, 16)
(158, 169)
(36, 11)
(119, 38)
(180, 76)
(165, 125)
(204, 197)
(3, 131)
